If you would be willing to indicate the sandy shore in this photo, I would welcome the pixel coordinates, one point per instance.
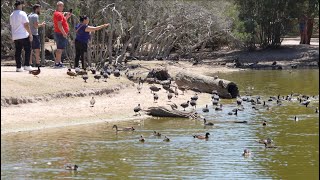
(59, 112)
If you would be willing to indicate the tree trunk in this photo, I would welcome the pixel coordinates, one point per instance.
(226, 89)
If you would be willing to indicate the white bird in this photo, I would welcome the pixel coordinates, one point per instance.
(92, 102)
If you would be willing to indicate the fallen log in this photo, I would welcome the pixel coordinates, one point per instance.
(161, 111)
(206, 84)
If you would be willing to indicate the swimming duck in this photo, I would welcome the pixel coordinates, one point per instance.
(246, 152)
(123, 129)
(156, 133)
(166, 139)
(219, 108)
(137, 109)
(206, 109)
(92, 101)
(266, 145)
(207, 124)
(71, 167)
(268, 141)
(141, 139)
(201, 136)
(236, 112)
(264, 123)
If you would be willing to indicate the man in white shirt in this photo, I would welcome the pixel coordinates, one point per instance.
(21, 34)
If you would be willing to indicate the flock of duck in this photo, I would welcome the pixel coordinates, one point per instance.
(172, 91)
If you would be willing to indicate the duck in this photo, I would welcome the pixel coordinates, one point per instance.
(155, 97)
(215, 102)
(93, 70)
(92, 101)
(239, 102)
(85, 77)
(305, 103)
(215, 97)
(235, 113)
(170, 95)
(296, 118)
(264, 123)
(205, 109)
(193, 103)
(219, 108)
(35, 72)
(116, 73)
(201, 136)
(141, 139)
(246, 152)
(166, 139)
(195, 97)
(266, 145)
(176, 93)
(154, 89)
(137, 109)
(71, 167)
(105, 76)
(317, 110)
(155, 133)
(81, 72)
(166, 87)
(71, 74)
(97, 77)
(123, 129)
(207, 123)
(268, 141)
(185, 105)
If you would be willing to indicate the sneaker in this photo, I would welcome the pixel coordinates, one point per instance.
(28, 68)
(59, 65)
(19, 70)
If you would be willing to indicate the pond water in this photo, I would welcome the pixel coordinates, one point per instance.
(100, 153)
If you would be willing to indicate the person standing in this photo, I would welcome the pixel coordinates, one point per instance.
(34, 25)
(21, 35)
(82, 37)
(61, 30)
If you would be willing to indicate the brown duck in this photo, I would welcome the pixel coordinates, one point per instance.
(35, 72)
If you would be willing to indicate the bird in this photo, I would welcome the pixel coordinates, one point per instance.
(266, 145)
(155, 133)
(77, 70)
(219, 108)
(166, 139)
(306, 103)
(268, 141)
(92, 101)
(105, 76)
(207, 123)
(166, 87)
(205, 109)
(274, 63)
(137, 109)
(93, 70)
(215, 97)
(317, 110)
(141, 139)
(116, 73)
(154, 89)
(81, 72)
(201, 136)
(182, 88)
(85, 77)
(185, 105)
(195, 97)
(236, 112)
(71, 167)
(239, 102)
(176, 93)
(264, 123)
(296, 118)
(35, 72)
(170, 96)
(97, 76)
(123, 129)
(155, 97)
(246, 152)
(193, 103)
(71, 74)
(139, 87)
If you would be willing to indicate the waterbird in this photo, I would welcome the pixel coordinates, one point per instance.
(219, 108)
(207, 123)
(71, 167)
(205, 109)
(141, 139)
(92, 101)
(137, 109)
(266, 145)
(246, 152)
(85, 77)
(296, 118)
(97, 77)
(35, 72)
(166, 139)
(201, 136)
(170, 96)
(264, 123)
(155, 97)
(193, 103)
(155, 133)
(185, 105)
(116, 73)
(71, 74)
(154, 88)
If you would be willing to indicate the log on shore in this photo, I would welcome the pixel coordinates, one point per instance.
(206, 84)
(161, 111)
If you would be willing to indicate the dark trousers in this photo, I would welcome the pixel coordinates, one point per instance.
(26, 45)
(81, 48)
